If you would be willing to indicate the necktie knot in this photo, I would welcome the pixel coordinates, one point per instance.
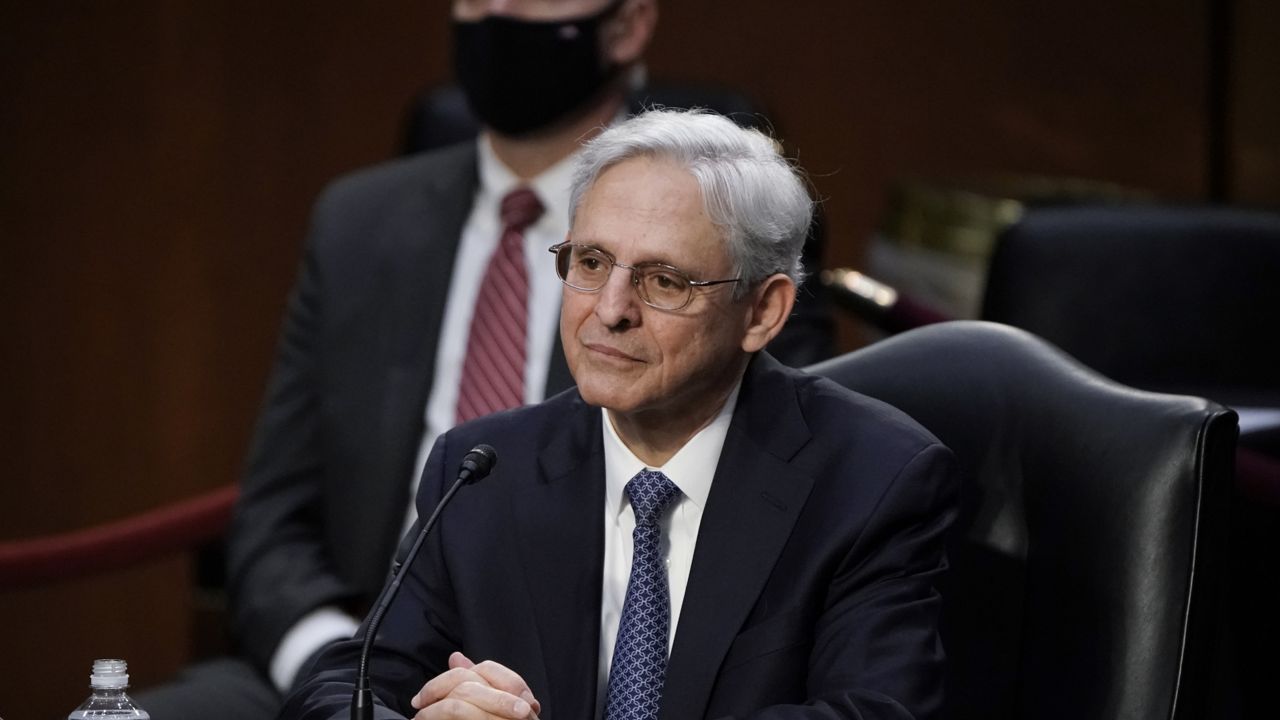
(520, 209)
(651, 493)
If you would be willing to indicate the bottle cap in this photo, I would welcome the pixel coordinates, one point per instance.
(109, 674)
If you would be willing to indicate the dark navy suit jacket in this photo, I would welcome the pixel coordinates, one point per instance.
(811, 593)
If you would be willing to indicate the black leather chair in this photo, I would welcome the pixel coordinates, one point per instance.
(1085, 557)
(1178, 298)
(1185, 299)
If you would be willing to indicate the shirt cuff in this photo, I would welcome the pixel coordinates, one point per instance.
(314, 630)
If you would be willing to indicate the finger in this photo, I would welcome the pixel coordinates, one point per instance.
(470, 697)
(440, 686)
(449, 709)
(503, 678)
(458, 660)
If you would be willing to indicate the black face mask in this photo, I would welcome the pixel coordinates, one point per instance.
(522, 75)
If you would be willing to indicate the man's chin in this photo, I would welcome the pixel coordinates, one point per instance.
(598, 398)
(612, 395)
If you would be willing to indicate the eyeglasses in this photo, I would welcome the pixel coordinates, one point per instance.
(587, 268)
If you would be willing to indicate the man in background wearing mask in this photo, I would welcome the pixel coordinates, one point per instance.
(424, 299)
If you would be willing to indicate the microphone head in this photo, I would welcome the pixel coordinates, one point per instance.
(479, 462)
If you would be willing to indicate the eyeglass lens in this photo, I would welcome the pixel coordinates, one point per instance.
(586, 268)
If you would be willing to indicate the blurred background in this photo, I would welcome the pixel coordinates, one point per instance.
(158, 159)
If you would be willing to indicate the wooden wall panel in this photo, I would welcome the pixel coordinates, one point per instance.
(158, 158)
(1253, 99)
(157, 163)
(866, 93)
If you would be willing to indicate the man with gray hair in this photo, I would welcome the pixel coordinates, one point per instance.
(695, 530)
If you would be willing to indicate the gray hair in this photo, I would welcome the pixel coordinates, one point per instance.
(749, 190)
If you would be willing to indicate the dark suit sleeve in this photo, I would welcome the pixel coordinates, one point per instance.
(876, 651)
(278, 565)
(415, 639)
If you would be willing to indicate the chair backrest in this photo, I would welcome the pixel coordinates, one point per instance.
(1092, 515)
(1175, 298)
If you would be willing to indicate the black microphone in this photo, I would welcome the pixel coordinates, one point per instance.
(475, 466)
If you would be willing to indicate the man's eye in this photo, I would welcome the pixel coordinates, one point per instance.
(589, 262)
(664, 281)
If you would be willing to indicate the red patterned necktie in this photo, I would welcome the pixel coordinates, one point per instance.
(493, 371)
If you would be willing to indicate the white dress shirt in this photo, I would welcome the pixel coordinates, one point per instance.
(480, 236)
(691, 470)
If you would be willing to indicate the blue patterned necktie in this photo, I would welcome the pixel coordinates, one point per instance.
(639, 664)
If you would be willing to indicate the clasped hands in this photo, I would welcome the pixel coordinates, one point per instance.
(468, 690)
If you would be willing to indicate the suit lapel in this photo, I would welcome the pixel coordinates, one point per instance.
(558, 512)
(755, 499)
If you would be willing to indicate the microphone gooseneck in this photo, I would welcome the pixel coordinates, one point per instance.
(475, 466)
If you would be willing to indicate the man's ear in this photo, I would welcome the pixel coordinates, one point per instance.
(771, 306)
(628, 31)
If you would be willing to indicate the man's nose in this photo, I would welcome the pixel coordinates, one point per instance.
(617, 304)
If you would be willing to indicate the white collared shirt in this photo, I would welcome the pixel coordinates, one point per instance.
(691, 469)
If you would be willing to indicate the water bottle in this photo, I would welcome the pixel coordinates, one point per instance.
(108, 683)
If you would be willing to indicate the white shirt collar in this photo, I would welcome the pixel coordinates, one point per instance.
(691, 468)
(552, 187)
